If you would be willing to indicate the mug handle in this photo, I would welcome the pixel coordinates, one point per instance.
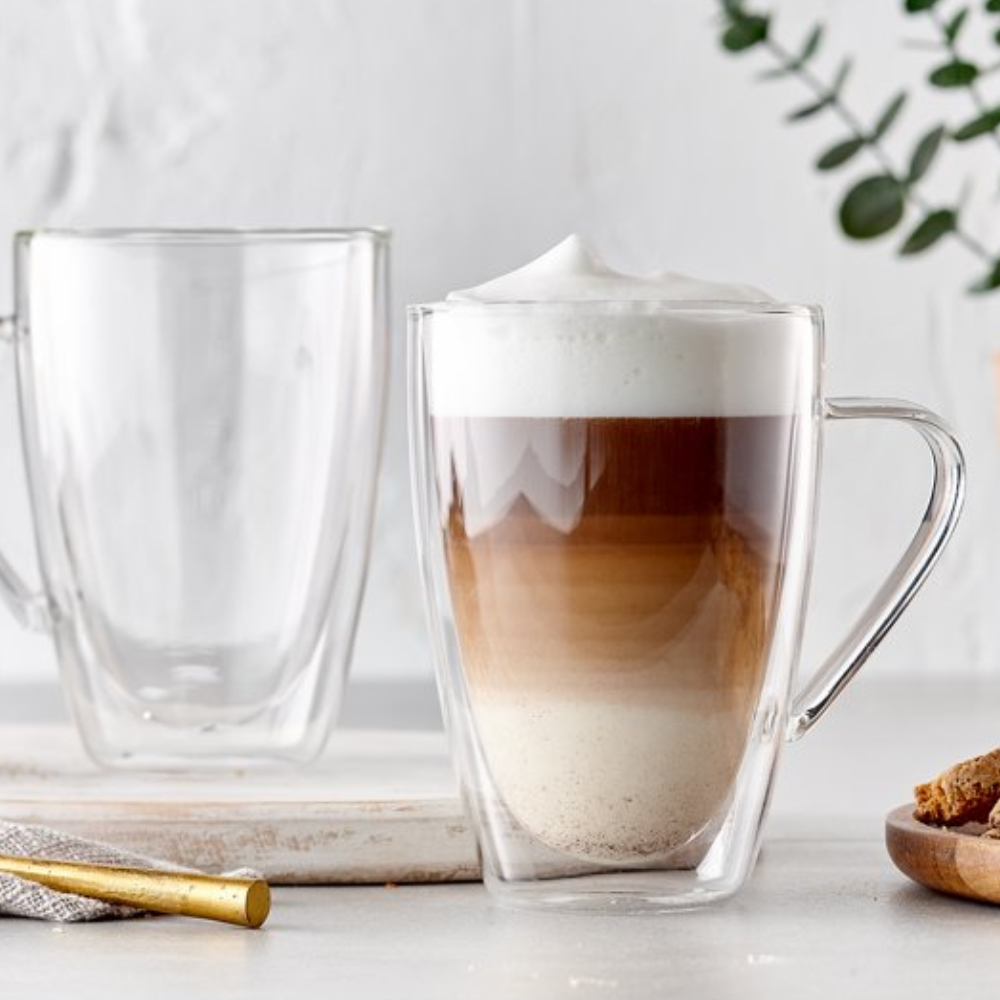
(30, 609)
(936, 527)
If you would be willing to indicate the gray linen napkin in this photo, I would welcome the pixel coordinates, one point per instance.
(21, 898)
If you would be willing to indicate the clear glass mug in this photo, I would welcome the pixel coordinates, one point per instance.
(201, 414)
(615, 507)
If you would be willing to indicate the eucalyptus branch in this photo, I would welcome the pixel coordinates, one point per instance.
(828, 96)
(877, 204)
(962, 72)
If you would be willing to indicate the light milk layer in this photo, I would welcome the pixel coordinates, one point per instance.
(616, 782)
(566, 336)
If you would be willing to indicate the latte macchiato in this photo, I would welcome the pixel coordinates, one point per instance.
(613, 491)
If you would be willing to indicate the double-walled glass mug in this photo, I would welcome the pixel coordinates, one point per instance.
(201, 418)
(615, 505)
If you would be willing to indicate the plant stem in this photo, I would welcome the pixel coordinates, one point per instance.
(825, 93)
(973, 88)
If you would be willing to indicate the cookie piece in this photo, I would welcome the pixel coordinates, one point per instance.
(964, 793)
(993, 830)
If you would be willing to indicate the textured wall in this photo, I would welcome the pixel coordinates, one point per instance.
(482, 132)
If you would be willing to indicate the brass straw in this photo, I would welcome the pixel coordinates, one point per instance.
(242, 901)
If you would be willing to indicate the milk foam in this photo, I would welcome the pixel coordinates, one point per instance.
(567, 336)
(573, 272)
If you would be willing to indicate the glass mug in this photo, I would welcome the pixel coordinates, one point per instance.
(615, 524)
(201, 414)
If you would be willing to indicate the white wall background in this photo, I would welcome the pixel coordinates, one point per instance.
(482, 131)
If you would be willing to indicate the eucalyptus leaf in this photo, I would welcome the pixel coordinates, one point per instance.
(989, 282)
(981, 125)
(801, 114)
(811, 46)
(916, 6)
(888, 116)
(923, 155)
(839, 154)
(872, 207)
(841, 78)
(954, 26)
(957, 73)
(933, 227)
(746, 31)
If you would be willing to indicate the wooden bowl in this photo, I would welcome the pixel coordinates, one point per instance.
(957, 861)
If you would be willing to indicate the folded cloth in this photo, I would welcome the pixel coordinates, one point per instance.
(22, 898)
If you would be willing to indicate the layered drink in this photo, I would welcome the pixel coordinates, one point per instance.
(614, 468)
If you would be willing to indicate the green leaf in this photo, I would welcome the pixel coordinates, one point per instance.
(954, 26)
(793, 65)
(809, 110)
(839, 154)
(889, 116)
(983, 124)
(923, 155)
(989, 282)
(746, 31)
(916, 6)
(841, 78)
(996, 37)
(934, 226)
(993, 6)
(872, 207)
(811, 46)
(957, 73)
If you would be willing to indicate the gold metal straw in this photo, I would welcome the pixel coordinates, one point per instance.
(242, 901)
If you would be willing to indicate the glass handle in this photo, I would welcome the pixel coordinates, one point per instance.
(936, 527)
(29, 608)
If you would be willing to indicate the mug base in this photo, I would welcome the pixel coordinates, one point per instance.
(618, 892)
(144, 745)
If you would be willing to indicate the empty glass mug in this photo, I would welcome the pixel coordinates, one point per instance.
(201, 418)
(616, 524)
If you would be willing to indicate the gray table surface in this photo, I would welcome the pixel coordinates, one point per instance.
(824, 912)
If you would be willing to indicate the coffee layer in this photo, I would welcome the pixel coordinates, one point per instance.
(614, 585)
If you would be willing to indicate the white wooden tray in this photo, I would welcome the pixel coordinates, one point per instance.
(379, 806)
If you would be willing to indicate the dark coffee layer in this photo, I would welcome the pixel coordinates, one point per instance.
(614, 554)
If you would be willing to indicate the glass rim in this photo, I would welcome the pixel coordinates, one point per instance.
(611, 306)
(196, 235)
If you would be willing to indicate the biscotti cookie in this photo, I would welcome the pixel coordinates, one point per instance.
(964, 793)
(992, 831)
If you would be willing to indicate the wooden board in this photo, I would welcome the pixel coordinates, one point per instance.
(379, 806)
(959, 862)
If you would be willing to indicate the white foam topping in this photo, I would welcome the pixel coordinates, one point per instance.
(567, 336)
(572, 271)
